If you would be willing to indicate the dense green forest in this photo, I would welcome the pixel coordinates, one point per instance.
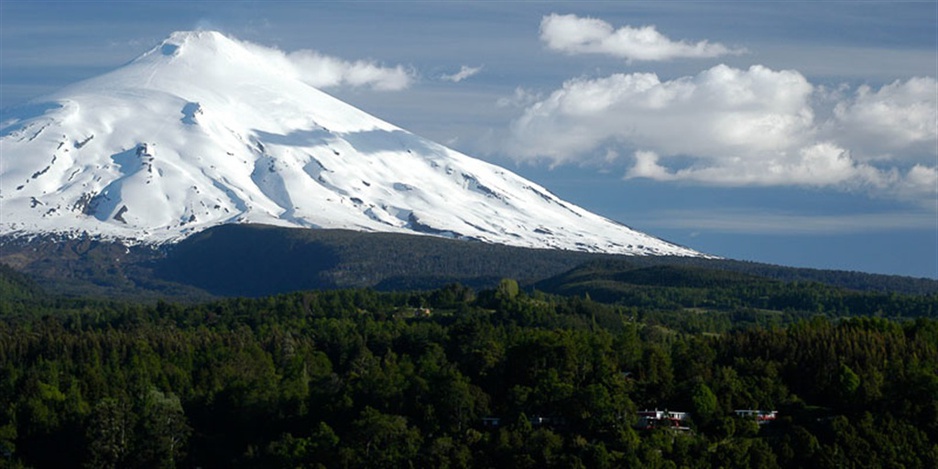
(459, 377)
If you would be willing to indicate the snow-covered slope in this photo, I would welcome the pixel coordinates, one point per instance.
(204, 130)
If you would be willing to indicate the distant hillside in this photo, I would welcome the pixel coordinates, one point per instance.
(258, 260)
(261, 260)
(87, 267)
(713, 286)
(861, 281)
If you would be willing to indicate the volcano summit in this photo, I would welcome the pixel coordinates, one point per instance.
(204, 130)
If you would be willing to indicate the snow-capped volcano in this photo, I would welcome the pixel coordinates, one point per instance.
(205, 130)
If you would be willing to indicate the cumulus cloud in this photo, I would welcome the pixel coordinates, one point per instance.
(575, 35)
(706, 115)
(898, 116)
(464, 72)
(734, 127)
(324, 71)
(819, 165)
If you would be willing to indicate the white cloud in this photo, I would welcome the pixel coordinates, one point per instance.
(646, 166)
(732, 127)
(920, 182)
(819, 165)
(717, 112)
(898, 116)
(464, 72)
(324, 71)
(575, 35)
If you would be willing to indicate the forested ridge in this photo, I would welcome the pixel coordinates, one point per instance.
(258, 260)
(458, 377)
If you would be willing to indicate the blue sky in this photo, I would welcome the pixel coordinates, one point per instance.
(795, 133)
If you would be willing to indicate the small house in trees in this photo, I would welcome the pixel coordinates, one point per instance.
(649, 419)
